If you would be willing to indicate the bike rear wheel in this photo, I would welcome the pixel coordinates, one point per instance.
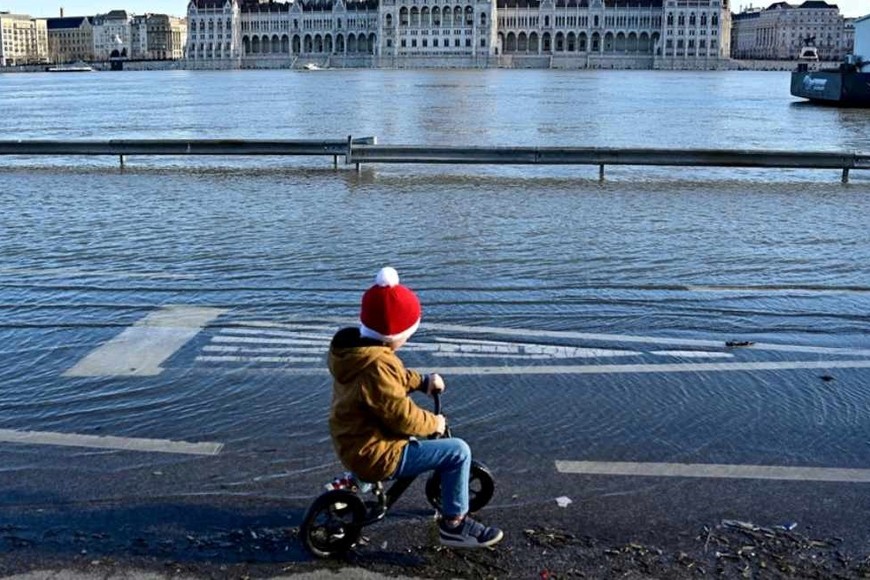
(333, 523)
(481, 486)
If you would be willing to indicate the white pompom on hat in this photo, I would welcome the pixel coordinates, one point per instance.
(389, 311)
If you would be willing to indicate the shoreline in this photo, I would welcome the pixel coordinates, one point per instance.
(510, 63)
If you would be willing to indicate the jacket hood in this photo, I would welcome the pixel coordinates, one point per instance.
(350, 354)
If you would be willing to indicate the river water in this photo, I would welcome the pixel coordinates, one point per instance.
(774, 256)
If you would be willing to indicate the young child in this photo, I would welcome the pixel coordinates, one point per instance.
(378, 431)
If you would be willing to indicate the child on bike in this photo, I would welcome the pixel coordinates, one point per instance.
(378, 431)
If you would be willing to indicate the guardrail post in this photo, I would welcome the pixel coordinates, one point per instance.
(348, 155)
(601, 172)
(845, 177)
(122, 162)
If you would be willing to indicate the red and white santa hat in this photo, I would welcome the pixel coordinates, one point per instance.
(389, 312)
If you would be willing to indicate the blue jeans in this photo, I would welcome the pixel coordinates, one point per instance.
(451, 458)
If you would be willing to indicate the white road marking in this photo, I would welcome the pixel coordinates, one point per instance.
(336, 323)
(651, 368)
(713, 470)
(142, 348)
(627, 338)
(490, 355)
(276, 333)
(692, 353)
(331, 329)
(612, 369)
(262, 359)
(533, 350)
(265, 349)
(268, 340)
(109, 442)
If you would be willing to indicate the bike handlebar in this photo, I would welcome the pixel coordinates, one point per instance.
(437, 397)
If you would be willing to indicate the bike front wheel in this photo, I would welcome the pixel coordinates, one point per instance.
(481, 487)
(333, 523)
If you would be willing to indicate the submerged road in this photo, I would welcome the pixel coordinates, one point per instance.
(195, 419)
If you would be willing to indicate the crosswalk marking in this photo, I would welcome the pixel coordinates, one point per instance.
(260, 359)
(142, 348)
(692, 353)
(265, 349)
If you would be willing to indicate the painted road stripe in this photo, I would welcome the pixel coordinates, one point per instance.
(262, 359)
(265, 349)
(550, 350)
(142, 348)
(465, 354)
(109, 442)
(656, 368)
(614, 369)
(277, 333)
(657, 340)
(692, 353)
(270, 340)
(624, 338)
(331, 329)
(713, 470)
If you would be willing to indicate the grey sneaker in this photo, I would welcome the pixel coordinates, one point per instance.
(469, 534)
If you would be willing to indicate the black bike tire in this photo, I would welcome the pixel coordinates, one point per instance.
(354, 508)
(477, 499)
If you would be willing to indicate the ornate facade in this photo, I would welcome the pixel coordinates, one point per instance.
(395, 33)
(781, 30)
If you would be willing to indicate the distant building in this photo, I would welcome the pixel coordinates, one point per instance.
(113, 34)
(779, 31)
(167, 37)
(70, 39)
(23, 40)
(477, 33)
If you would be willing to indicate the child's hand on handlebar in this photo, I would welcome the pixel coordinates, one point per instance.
(440, 424)
(436, 384)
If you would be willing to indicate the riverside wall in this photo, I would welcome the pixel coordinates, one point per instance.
(558, 61)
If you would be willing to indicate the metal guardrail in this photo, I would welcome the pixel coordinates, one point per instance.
(609, 156)
(124, 147)
(366, 150)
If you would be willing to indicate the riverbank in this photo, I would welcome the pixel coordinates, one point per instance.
(514, 61)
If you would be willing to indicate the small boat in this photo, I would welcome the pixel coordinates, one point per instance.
(847, 85)
(70, 68)
(311, 66)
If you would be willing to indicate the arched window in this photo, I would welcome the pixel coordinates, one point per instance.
(670, 18)
(483, 18)
(389, 20)
(403, 16)
(714, 20)
(704, 19)
(692, 19)
(681, 20)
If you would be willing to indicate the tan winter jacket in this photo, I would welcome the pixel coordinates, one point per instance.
(372, 415)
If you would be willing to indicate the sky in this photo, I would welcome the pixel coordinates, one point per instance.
(44, 8)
